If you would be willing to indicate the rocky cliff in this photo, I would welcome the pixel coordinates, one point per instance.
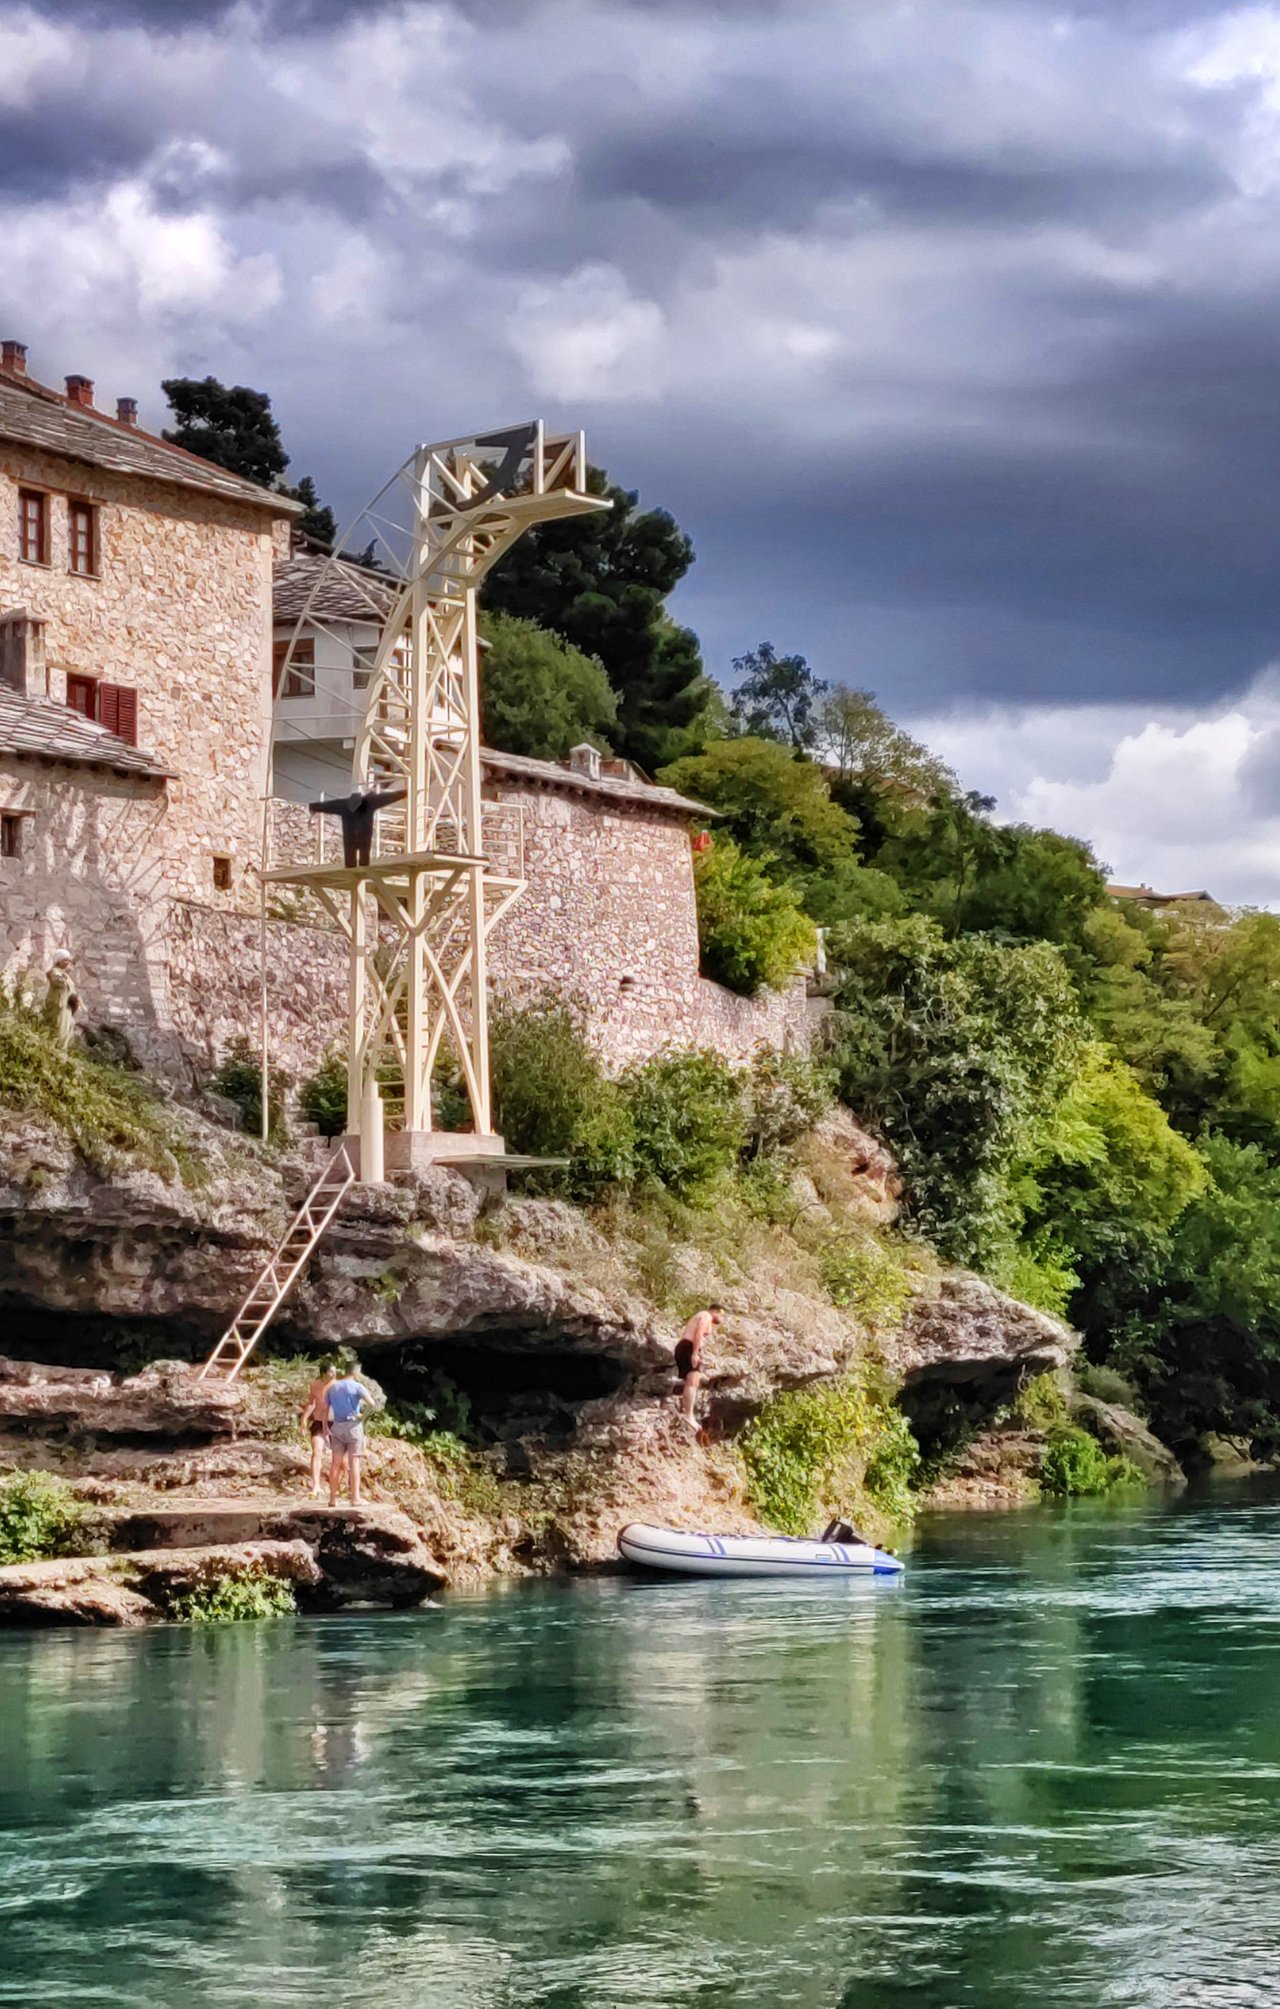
(549, 1332)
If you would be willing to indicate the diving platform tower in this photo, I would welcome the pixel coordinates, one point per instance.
(418, 908)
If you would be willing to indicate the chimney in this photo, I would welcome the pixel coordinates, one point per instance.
(584, 759)
(127, 411)
(13, 357)
(80, 392)
(22, 664)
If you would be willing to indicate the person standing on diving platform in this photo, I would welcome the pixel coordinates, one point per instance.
(358, 811)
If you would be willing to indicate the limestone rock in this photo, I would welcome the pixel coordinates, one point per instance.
(968, 1331)
(166, 1400)
(1121, 1432)
(138, 1588)
(370, 1555)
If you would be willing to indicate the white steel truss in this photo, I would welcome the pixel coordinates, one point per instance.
(417, 915)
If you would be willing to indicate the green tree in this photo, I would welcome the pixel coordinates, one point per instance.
(774, 805)
(871, 755)
(752, 933)
(601, 581)
(777, 697)
(236, 428)
(958, 1051)
(1203, 1341)
(539, 695)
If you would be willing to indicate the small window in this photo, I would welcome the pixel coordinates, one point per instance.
(295, 669)
(11, 834)
(82, 538)
(222, 875)
(33, 526)
(363, 671)
(82, 695)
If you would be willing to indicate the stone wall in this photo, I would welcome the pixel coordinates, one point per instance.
(608, 917)
(181, 612)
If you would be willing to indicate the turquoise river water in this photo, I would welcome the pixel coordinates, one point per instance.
(1044, 1769)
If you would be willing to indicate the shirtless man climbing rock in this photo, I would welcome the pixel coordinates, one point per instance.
(689, 1356)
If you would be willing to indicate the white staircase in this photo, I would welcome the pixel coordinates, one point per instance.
(280, 1272)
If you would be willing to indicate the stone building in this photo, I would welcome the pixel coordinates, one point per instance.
(135, 667)
(139, 652)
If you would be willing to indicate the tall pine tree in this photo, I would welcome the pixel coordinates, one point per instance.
(601, 581)
(236, 428)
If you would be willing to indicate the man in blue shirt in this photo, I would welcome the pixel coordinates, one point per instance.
(344, 1401)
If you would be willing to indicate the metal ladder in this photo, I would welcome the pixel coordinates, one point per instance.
(280, 1272)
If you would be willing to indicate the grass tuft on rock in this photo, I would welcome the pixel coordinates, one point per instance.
(40, 1516)
(108, 1113)
(223, 1599)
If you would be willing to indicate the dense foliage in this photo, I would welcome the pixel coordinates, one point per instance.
(601, 581)
(236, 428)
(238, 1077)
(39, 1516)
(108, 1111)
(814, 1452)
(221, 1598)
(541, 696)
(753, 932)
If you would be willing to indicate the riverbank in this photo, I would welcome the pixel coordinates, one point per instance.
(523, 1350)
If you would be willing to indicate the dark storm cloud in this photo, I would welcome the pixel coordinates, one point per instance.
(1026, 440)
(730, 174)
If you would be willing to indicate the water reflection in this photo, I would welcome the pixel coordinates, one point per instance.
(1044, 1769)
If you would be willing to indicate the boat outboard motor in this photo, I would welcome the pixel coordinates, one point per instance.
(842, 1531)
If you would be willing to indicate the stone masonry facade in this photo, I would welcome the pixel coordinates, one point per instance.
(138, 860)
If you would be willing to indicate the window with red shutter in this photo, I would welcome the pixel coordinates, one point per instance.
(118, 711)
(82, 695)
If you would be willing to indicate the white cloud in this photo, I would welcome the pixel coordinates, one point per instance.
(33, 55)
(1179, 799)
(587, 336)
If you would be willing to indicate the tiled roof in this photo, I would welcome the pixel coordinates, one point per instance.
(550, 774)
(39, 729)
(36, 416)
(1151, 899)
(330, 589)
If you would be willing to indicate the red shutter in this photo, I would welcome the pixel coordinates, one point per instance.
(118, 711)
(82, 695)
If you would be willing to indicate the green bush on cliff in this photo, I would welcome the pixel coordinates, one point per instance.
(1074, 1465)
(222, 1599)
(690, 1120)
(868, 1278)
(828, 1447)
(39, 1516)
(108, 1112)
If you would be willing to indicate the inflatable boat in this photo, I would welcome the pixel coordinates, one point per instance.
(749, 1555)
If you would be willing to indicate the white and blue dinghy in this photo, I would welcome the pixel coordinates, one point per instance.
(673, 1549)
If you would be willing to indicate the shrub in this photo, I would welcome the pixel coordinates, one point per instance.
(107, 1111)
(820, 1446)
(1041, 1405)
(39, 1516)
(867, 1279)
(545, 1075)
(322, 1097)
(239, 1078)
(787, 1094)
(222, 1599)
(1074, 1465)
(752, 931)
(689, 1120)
(1107, 1384)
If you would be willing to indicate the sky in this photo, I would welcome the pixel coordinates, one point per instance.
(950, 332)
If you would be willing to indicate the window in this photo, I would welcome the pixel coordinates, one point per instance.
(11, 833)
(363, 671)
(33, 526)
(82, 538)
(114, 706)
(82, 695)
(295, 669)
(222, 875)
